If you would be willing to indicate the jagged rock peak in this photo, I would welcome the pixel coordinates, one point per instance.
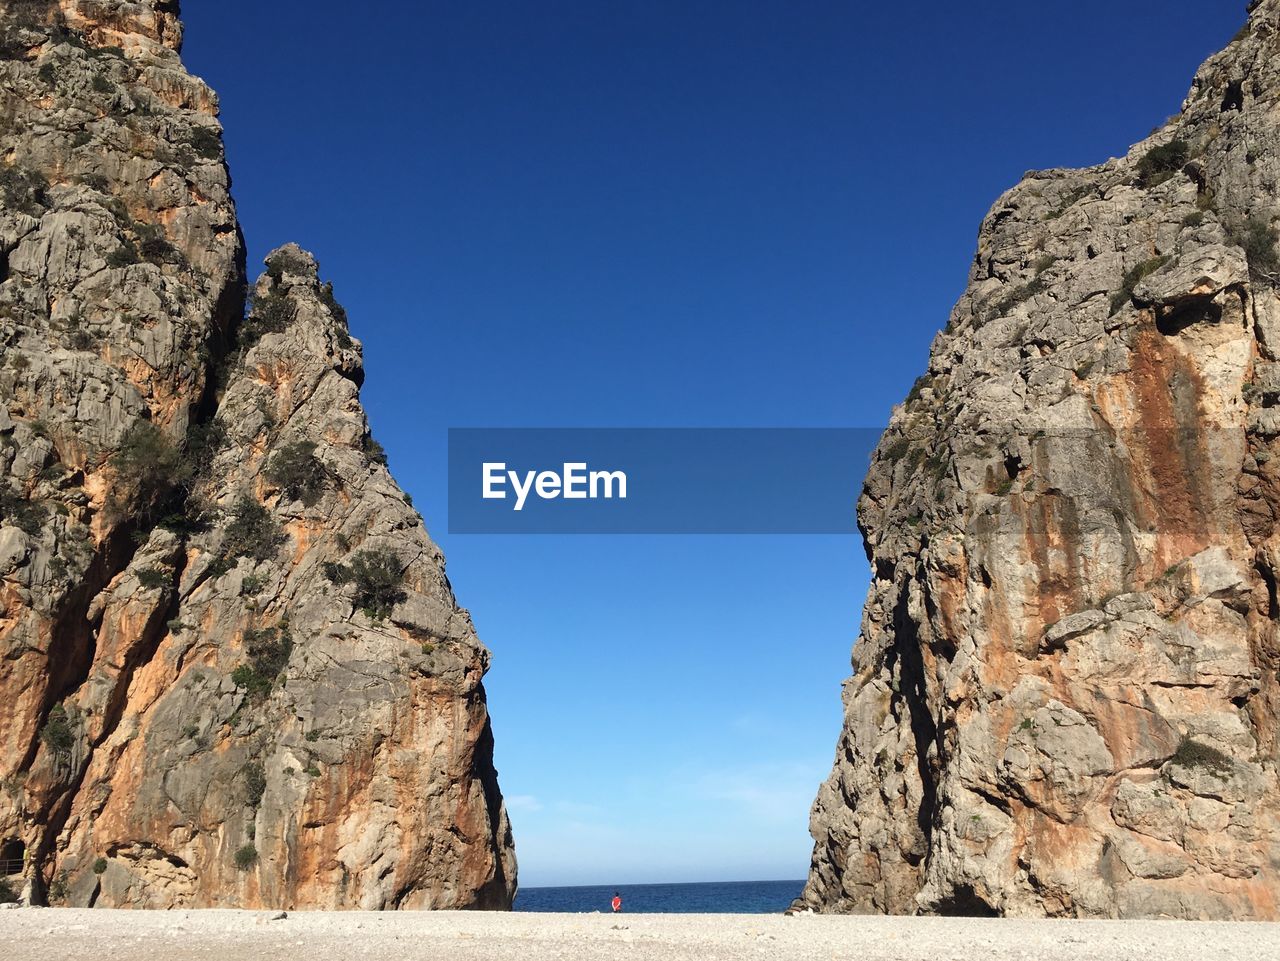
(233, 672)
(1067, 678)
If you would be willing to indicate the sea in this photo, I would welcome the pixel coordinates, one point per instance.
(706, 897)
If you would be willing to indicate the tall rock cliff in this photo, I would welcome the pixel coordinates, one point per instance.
(1065, 697)
(232, 670)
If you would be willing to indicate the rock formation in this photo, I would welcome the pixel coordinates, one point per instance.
(232, 670)
(1065, 697)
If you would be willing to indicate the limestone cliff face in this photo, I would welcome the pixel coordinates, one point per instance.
(1065, 692)
(232, 670)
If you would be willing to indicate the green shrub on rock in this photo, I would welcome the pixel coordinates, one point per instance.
(57, 733)
(21, 512)
(245, 857)
(252, 584)
(154, 246)
(374, 451)
(148, 461)
(269, 313)
(1194, 755)
(205, 142)
(298, 473)
(154, 578)
(286, 262)
(1161, 163)
(1132, 278)
(255, 783)
(126, 255)
(1257, 238)
(377, 576)
(252, 532)
(268, 650)
(22, 189)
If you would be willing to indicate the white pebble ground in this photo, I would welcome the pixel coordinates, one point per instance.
(51, 934)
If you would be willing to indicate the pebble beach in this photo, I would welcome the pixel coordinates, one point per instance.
(50, 934)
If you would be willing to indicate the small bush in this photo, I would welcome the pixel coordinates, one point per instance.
(101, 84)
(23, 190)
(1257, 238)
(154, 247)
(246, 856)
(918, 387)
(336, 310)
(255, 783)
(339, 314)
(21, 512)
(1161, 163)
(268, 651)
(1132, 278)
(1069, 200)
(298, 473)
(374, 451)
(286, 262)
(126, 255)
(1193, 754)
(246, 677)
(59, 887)
(252, 584)
(1019, 295)
(270, 648)
(897, 449)
(204, 441)
(268, 314)
(252, 532)
(57, 732)
(205, 142)
(7, 894)
(377, 576)
(154, 578)
(100, 866)
(312, 770)
(148, 461)
(193, 517)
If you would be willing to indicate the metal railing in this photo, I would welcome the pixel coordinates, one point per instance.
(12, 866)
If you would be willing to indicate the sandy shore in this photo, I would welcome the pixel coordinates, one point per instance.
(83, 935)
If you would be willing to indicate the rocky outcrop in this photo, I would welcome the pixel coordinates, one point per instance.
(1065, 690)
(232, 669)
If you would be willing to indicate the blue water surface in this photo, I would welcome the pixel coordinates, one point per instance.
(712, 897)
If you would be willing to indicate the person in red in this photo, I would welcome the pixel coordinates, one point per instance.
(617, 903)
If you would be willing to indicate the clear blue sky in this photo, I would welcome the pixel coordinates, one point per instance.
(661, 213)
